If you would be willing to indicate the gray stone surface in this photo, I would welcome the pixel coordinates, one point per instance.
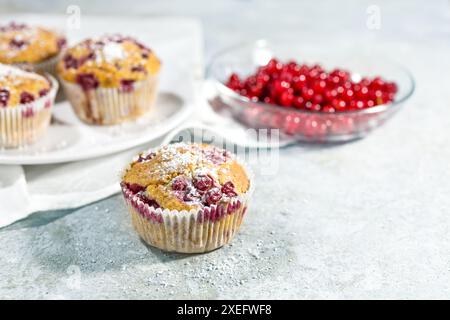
(367, 219)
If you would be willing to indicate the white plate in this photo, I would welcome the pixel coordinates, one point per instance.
(68, 139)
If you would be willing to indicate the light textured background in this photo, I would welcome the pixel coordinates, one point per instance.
(368, 219)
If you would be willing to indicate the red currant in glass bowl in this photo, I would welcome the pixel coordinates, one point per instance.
(282, 86)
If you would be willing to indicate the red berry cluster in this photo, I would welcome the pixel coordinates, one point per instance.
(312, 88)
(4, 97)
(206, 185)
(25, 96)
(13, 26)
(205, 189)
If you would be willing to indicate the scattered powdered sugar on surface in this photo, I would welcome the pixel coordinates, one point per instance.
(240, 264)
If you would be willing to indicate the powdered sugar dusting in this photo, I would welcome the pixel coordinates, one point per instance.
(7, 71)
(21, 34)
(191, 172)
(107, 48)
(113, 51)
(179, 156)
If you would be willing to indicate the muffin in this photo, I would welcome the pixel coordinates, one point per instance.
(32, 48)
(186, 197)
(110, 79)
(26, 100)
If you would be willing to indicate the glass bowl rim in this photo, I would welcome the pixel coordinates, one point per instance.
(275, 107)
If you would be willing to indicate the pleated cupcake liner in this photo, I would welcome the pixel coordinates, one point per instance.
(195, 231)
(109, 106)
(25, 123)
(47, 66)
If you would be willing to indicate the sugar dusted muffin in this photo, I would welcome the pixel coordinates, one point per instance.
(34, 48)
(110, 79)
(26, 99)
(186, 197)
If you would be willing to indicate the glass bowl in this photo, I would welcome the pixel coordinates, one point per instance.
(305, 125)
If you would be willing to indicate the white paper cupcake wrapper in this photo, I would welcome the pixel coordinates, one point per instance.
(107, 106)
(44, 67)
(194, 231)
(23, 124)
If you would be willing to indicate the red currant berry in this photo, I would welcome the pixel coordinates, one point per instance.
(26, 97)
(203, 182)
(4, 97)
(213, 196)
(298, 102)
(179, 184)
(286, 99)
(87, 81)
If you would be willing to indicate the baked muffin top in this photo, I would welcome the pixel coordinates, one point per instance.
(186, 176)
(20, 43)
(18, 86)
(111, 61)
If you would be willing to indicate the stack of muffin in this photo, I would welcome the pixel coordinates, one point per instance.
(183, 197)
(108, 80)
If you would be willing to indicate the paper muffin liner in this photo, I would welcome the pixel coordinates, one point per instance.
(108, 106)
(47, 66)
(25, 123)
(194, 231)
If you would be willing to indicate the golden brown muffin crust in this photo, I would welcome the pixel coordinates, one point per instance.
(187, 176)
(18, 86)
(111, 60)
(20, 43)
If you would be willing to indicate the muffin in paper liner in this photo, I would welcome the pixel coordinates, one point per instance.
(31, 47)
(23, 124)
(198, 230)
(109, 106)
(193, 231)
(109, 79)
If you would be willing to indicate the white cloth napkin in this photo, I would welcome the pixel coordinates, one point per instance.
(27, 189)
